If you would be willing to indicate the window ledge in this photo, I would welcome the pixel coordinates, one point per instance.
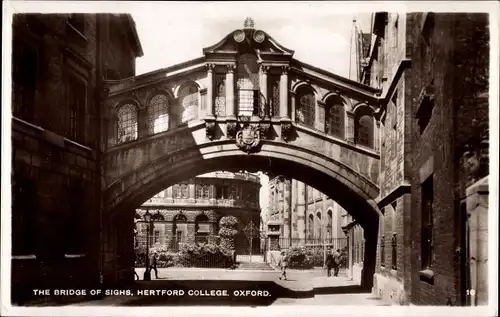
(427, 276)
(24, 257)
(73, 256)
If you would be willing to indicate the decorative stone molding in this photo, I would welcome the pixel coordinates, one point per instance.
(248, 138)
(265, 129)
(239, 36)
(286, 131)
(210, 127)
(259, 36)
(265, 68)
(210, 67)
(285, 69)
(232, 129)
(140, 95)
(231, 68)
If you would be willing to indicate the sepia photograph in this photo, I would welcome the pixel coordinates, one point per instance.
(249, 158)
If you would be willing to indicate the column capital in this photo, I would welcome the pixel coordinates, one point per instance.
(321, 103)
(210, 67)
(285, 69)
(265, 68)
(231, 68)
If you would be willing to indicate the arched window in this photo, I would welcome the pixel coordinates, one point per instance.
(334, 116)
(247, 84)
(188, 101)
(127, 123)
(310, 231)
(364, 129)
(318, 226)
(220, 95)
(305, 104)
(158, 114)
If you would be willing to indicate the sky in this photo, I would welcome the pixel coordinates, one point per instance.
(177, 32)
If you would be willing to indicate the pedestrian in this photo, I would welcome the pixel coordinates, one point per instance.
(329, 263)
(154, 264)
(133, 269)
(336, 262)
(283, 265)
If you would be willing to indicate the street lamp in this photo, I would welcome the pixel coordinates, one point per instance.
(147, 272)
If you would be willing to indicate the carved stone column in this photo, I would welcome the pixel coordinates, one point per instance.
(320, 116)
(286, 208)
(210, 90)
(350, 133)
(230, 104)
(263, 88)
(284, 92)
(301, 211)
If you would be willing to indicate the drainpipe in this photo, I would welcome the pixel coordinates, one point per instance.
(98, 126)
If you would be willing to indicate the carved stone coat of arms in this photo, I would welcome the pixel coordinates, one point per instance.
(248, 138)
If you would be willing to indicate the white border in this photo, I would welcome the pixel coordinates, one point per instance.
(283, 9)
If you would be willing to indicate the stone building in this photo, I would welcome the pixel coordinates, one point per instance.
(58, 63)
(433, 68)
(190, 211)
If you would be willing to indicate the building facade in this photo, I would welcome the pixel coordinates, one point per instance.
(434, 156)
(58, 62)
(190, 212)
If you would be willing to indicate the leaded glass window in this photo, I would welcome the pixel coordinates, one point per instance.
(232, 192)
(334, 121)
(305, 105)
(158, 114)
(127, 123)
(176, 193)
(206, 191)
(220, 95)
(274, 95)
(364, 130)
(188, 101)
(184, 191)
(247, 84)
(199, 191)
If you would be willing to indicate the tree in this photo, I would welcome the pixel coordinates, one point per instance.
(228, 232)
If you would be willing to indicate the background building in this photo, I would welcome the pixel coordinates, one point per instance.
(190, 211)
(58, 63)
(434, 155)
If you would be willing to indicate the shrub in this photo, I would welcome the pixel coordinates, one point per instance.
(228, 233)
(203, 255)
(299, 258)
(316, 255)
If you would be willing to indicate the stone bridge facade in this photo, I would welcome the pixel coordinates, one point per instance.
(246, 104)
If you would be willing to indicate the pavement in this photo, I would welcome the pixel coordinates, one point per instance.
(302, 287)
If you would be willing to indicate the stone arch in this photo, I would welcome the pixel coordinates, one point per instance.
(351, 190)
(185, 84)
(335, 115)
(364, 125)
(303, 83)
(305, 104)
(347, 101)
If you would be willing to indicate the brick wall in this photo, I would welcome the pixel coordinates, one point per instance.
(452, 56)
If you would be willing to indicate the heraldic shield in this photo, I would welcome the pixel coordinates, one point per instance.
(248, 138)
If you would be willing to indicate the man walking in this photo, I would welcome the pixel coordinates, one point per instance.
(329, 263)
(154, 264)
(283, 265)
(336, 262)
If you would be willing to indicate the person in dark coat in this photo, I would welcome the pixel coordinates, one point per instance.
(329, 264)
(154, 264)
(336, 262)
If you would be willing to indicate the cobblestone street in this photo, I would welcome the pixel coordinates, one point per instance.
(304, 287)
